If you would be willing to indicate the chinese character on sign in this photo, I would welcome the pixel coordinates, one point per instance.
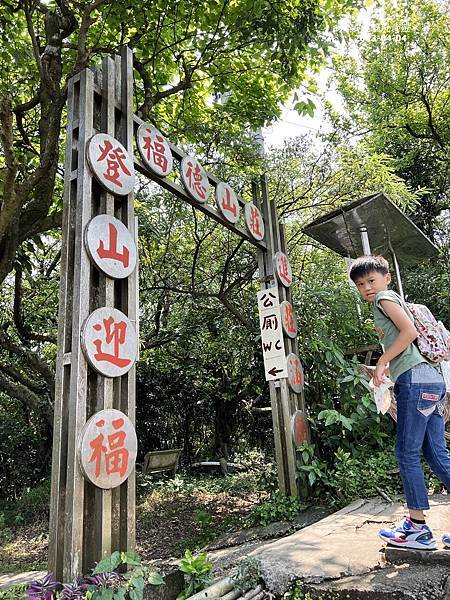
(107, 448)
(112, 165)
(270, 322)
(272, 341)
(114, 461)
(154, 150)
(283, 269)
(267, 299)
(195, 179)
(112, 251)
(295, 373)
(115, 334)
(299, 428)
(109, 341)
(254, 221)
(111, 246)
(227, 202)
(288, 319)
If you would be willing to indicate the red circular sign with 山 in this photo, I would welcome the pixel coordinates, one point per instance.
(107, 448)
(227, 202)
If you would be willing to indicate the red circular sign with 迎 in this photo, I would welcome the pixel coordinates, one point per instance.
(107, 448)
(111, 164)
(109, 342)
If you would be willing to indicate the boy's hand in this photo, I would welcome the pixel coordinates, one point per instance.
(380, 373)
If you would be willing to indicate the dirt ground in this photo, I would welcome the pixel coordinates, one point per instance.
(167, 524)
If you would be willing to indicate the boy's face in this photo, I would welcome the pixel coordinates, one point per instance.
(369, 285)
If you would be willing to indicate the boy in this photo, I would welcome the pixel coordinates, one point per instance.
(419, 390)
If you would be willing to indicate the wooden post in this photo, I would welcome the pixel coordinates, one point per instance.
(87, 522)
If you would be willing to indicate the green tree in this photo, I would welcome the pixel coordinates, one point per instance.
(396, 89)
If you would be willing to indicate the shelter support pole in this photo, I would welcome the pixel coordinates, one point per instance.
(365, 241)
(398, 278)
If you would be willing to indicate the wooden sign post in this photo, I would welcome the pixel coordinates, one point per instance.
(94, 447)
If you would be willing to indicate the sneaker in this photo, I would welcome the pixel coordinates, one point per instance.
(446, 540)
(409, 535)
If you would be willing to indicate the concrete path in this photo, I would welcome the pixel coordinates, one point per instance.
(7, 581)
(343, 545)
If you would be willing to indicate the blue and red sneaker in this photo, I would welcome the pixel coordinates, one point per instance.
(446, 540)
(409, 535)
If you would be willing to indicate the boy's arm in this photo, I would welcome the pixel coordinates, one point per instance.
(407, 334)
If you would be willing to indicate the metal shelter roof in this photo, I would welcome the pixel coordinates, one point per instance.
(388, 229)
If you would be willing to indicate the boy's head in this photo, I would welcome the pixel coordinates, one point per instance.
(370, 275)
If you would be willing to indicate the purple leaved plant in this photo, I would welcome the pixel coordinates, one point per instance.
(74, 590)
(43, 589)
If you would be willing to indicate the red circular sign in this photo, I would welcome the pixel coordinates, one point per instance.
(227, 202)
(288, 319)
(254, 221)
(299, 429)
(154, 150)
(195, 179)
(111, 164)
(107, 448)
(109, 341)
(295, 373)
(283, 269)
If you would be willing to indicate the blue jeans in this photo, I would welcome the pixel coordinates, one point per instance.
(420, 426)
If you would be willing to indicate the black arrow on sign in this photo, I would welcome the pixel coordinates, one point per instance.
(273, 371)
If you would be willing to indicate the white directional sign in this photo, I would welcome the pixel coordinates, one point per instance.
(275, 365)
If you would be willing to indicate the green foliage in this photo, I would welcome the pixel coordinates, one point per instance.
(248, 574)
(311, 471)
(278, 507)
(15, 592)
(197, 573)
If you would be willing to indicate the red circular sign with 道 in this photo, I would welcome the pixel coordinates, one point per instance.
(109, 342)
(111, 246)
(288, 319)
(111, 164)
(195, 179)
(295, 373)
(298, 427)
(227, 202)
(254, 221)
(283, 269)
(107, 448)
(154, 150)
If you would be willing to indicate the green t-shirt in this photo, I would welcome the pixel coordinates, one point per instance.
(388, 333)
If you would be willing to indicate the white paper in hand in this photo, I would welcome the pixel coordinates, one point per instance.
(382, 395)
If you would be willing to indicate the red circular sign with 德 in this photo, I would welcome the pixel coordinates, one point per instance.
(111, 164)
(107, 448)
(195, 179)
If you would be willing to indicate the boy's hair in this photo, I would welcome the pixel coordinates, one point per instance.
(367, 264)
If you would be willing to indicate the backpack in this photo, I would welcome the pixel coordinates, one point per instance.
(433, 340)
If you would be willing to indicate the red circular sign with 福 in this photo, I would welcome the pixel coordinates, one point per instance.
(107, 448)
(154, 150)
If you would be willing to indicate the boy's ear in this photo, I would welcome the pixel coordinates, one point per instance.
(388, 278)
